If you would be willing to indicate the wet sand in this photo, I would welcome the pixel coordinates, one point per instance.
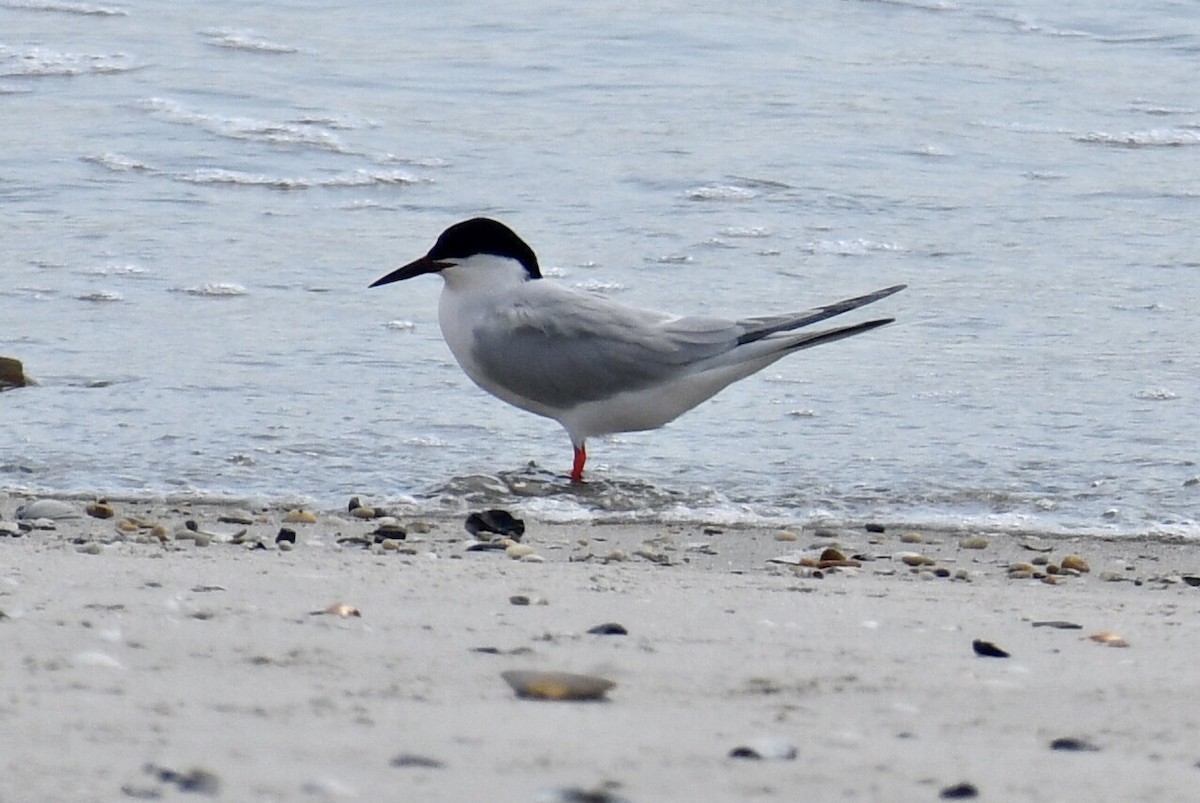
(144, 666)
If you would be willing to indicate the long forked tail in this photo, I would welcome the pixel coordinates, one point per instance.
(808, 340)
(759, 328)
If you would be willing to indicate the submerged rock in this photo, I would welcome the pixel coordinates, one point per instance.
(12, 374)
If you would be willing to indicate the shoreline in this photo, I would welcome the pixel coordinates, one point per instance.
(146, 663)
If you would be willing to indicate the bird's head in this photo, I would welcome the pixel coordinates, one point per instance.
(471, 241)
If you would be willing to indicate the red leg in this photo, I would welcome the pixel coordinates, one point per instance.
(577, 467)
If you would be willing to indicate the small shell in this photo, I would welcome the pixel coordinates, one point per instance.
(1108, 638)
(541, 685)
(517, 551)
(339, 609)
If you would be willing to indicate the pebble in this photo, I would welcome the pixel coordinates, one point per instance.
(547, 685)
(195, 780)
(409, 760)
(10, 528)
(496, 521)
(300, 517)
(1058, 624)
(1108, 638)
(831, 554)
(363, 512)
(872, 527)
(915, 559)
(1074, 745)
(960, 791)
(100, 509)
(609, 629)
(786, 535)
(236, 517)
(339, 609)
(90, 548)
(286, 536)
(974, 542)
(518, 551)
(285, 546)
(912, 538)
(1074, 563)
(987, 649)
(766, 748)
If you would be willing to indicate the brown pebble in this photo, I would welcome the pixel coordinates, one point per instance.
(1027, 568)
(831, 553)
(1108, 638)
(1075, 563)
(913, 559)
(100, 510)
(785, 535)
(300, 517)
(975, 542)
(912, 538)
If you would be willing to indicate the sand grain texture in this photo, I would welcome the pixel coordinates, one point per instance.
(184, 657)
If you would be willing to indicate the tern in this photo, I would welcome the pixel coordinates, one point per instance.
(591, 364)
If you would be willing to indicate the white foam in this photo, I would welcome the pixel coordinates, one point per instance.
(242, 39)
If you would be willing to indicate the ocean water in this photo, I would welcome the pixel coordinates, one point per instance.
(195, 196)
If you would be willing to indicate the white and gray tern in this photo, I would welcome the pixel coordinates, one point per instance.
(591, 364)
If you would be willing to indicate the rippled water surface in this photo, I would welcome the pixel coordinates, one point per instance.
(194, 197)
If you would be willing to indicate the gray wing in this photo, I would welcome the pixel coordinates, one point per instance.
(561, 348)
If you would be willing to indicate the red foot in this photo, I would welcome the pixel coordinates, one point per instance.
(577, 467)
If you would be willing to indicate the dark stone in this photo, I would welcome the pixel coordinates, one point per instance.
(609, 629)
(987, 649)
(1059, 624)
(286, 535)
(393, 532)
(500, 522)
(960, 791)
(873, 527)
(1072, 745)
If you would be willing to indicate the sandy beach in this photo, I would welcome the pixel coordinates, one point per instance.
(145, 663)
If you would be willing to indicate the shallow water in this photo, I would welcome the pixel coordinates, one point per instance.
(193, 198)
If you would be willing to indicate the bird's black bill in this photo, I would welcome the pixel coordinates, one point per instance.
(417, 267)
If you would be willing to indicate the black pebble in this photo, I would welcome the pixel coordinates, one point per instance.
(1192, 580)
(286, 535)
(354, 504)
(500, 522)
(960, 791)
(745, 752)
(609, 629)
(987, 649)
(1073, 745)
(393, 532)
(1058, 624)
(872, 527)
